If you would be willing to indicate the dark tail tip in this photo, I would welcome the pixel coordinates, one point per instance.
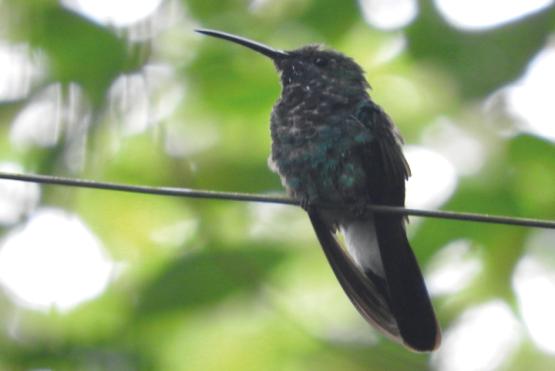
(423, 342)
(409, 297)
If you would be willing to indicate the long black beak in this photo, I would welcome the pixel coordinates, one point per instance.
(272, 53)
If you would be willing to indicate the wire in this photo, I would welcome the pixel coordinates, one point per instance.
(234, 196)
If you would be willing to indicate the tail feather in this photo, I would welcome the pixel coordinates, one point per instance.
(365, 294)
(381, 277)
(408, 295)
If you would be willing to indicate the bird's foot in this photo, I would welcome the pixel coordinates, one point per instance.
(307, 204)
(358, 209)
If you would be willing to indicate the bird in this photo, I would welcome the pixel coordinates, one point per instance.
(337, 151)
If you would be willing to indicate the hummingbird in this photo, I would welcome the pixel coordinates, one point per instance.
(337, 151)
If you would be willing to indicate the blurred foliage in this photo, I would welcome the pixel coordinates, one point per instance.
(482, 61)
(230, 290)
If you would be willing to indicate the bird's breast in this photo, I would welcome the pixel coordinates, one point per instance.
(312, 150)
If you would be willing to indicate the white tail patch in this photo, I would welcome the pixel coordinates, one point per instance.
(362, 244)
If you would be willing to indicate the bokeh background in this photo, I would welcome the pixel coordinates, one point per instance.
(125, 91)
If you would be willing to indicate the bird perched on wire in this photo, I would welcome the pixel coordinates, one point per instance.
(333, 146)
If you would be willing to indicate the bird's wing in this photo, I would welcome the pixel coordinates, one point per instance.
(386, 166)
(386, 170)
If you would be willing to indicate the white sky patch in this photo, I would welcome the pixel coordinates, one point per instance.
(534, 284)
(480, 340)
(118, 13)
(139, 101)
(433, 179)
(16, 198)
(39, 123)
(18, 71)
(55, 111)
(484, 14)
(530, 99)
(452, 268)
(53, 261)
(389, 14)
(463, 150)
(129, 103)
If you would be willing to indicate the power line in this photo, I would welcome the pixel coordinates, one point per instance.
(234, 196)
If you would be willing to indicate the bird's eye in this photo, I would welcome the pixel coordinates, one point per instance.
(319, 61)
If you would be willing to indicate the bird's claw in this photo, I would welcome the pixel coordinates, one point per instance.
(358, 209)
(307, 204)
